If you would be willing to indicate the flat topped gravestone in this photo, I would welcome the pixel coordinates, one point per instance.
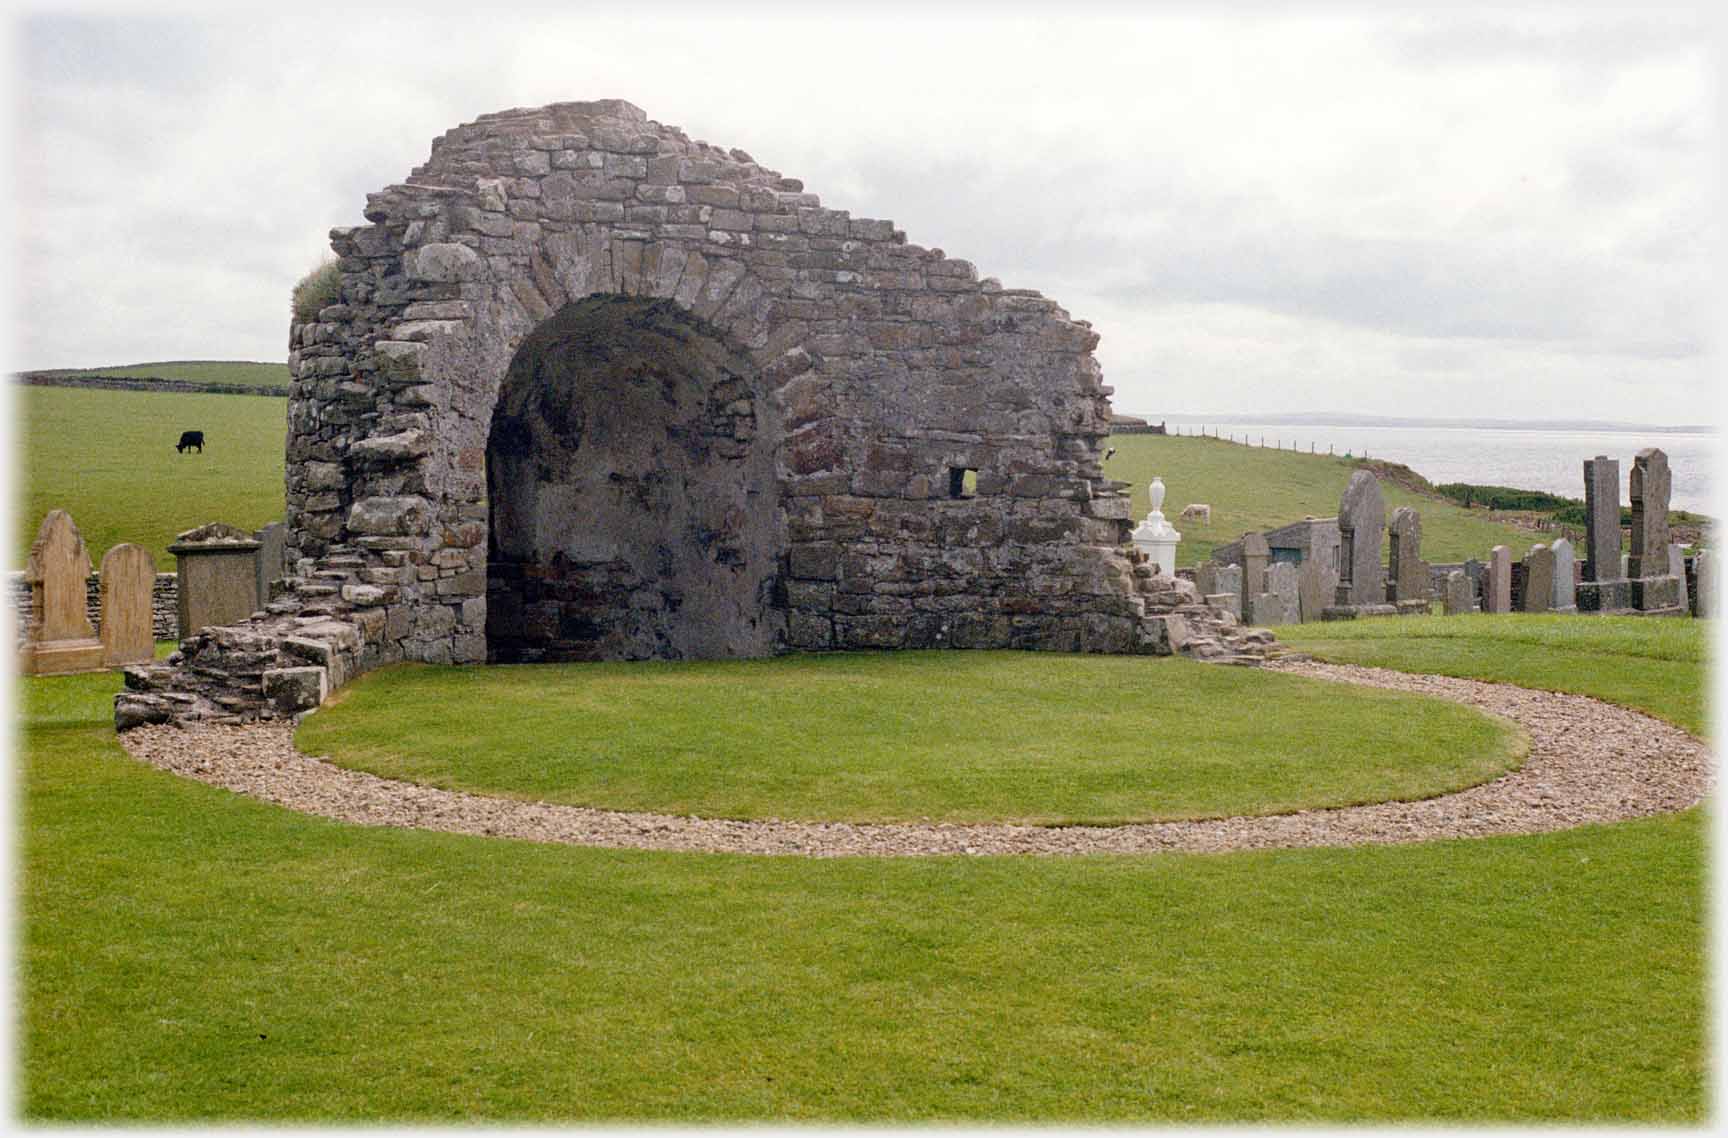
(218, 568)
(59, 639)
(1601, 518)
(1316, 585)
(1361, 521)
(128, 625)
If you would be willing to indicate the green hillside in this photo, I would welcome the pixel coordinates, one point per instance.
(193, 371)
(1251, 488)
(108, 458)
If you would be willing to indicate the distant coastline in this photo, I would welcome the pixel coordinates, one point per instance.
(1345, 419)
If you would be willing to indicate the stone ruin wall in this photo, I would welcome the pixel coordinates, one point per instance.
(880, 371)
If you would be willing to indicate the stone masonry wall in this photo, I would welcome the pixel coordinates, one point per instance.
(936, 452)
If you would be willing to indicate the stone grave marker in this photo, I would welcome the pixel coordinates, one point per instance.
(1651, 484)
(1677, 570)
(128, 626)
(1408, 571)
(1316, 586)
(1206, 578)
(1538, 592)
(218, 572)
(1565, 577)
(1704, 583)
(1280, 603)
(1361, 521)
(272, 557)
(1601, 518)
(1497, 585)
(1457, 594)
(59, 638)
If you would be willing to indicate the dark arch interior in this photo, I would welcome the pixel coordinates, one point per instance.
(632, 493)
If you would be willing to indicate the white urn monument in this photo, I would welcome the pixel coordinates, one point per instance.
(1156, 537)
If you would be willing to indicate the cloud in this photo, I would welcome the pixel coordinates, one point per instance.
(1267, 205)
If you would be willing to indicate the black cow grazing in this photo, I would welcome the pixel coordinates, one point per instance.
(190, 439)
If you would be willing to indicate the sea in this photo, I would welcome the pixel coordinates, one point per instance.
(1525, 458)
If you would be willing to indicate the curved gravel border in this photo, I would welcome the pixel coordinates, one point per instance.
(1589, 762)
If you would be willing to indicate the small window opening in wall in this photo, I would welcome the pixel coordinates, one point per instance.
(962, 481)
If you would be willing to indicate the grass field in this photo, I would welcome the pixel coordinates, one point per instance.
(1250, 488)
(108, 457)
(246, 372)
(1039, 739)
(188, 954)
(1653, 664)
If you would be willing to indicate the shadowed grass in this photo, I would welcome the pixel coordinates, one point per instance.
(1653, 664)
(908, 736)
(188, 954)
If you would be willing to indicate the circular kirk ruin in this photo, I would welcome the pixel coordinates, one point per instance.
(593, 390)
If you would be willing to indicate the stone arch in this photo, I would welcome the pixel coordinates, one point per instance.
(633, 506)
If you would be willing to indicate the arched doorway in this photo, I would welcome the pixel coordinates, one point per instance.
(632, 493)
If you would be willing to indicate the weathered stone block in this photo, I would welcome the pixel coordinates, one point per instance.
(293, 690)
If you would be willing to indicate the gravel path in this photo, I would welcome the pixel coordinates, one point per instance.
(1589, 762)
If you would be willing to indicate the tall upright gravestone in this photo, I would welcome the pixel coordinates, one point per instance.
(59, 638)
(1654, 587)
(1361, 523)
(1604, 588)
(128, 624)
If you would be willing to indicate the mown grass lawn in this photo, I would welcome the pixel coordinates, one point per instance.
(1656, 665)
(108, 458)
(908, 736)
(188, 954)
(1253, 488)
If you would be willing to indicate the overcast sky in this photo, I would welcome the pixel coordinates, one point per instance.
(1510, 215)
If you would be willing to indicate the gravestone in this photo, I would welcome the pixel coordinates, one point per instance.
(218, 571)
(1538, 591)
(59, 638)
(1316, 585)
(1677, 570)
(1255, 557)
(1565, 578)
(272, 550)
(1497, 585)
(1654, 588)
(1601, 518)
(1280, 603)
(1651, 484)
(1206, 578)
(1228, 579)
(1361, 522)
(128, 627)
(1408, 571)
(1457, 594)
(1704, 584)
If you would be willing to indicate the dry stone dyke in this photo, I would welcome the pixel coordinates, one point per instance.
(789, 428)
